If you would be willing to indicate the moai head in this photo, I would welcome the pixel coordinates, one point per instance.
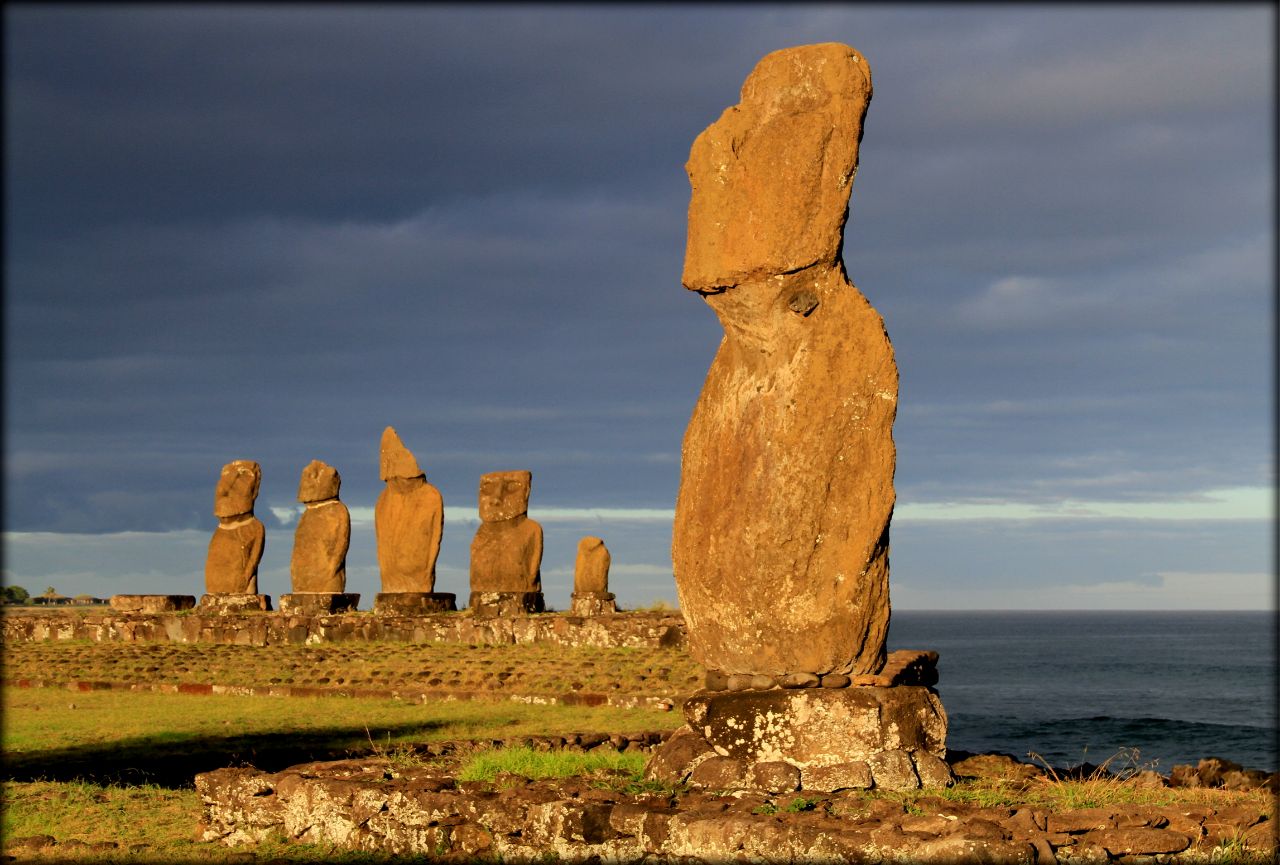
(504, 495)
(237, 488)
(771, 177)
(320, 482)
(396, 460)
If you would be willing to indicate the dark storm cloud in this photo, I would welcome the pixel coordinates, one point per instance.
(267, 232)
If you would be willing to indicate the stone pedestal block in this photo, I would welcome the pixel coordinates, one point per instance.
(892, 738)
(414, 603)
(152, 603)
(491, 604)
(592, 603)
(228, 603)
(319, 603)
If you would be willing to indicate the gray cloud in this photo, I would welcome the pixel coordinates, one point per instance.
(267, 232)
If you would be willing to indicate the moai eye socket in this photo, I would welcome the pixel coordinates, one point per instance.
(803, 302)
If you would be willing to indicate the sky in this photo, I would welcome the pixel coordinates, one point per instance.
(267, 232)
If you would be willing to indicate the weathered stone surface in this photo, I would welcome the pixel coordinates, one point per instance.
(781, 535)
(408, 521)
(323, 535)
(893, 770)
(505, 604)
(238, 620)
(591, 567)
(373, 805)
(152, 603)
(232, 603)
(819, 727)
(840, 776)
(319, 603)
(414, 603)
(506, 553)
(237, 544)
(720, 773)
(932, 770)
(798, 680)
(592, 603)
(775, 777)
(683, 752)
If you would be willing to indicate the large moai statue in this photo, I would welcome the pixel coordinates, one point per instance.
(318, 568)
(231, 568)
(408, 521)
(591, 595)
(781, 535)
(506, 553)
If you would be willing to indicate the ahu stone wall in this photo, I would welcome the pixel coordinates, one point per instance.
(630, 629)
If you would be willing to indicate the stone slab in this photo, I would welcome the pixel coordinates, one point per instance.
(152, 603)
(319, 603)
(812, 727)
(506, 604)
(592, 603)
(229, 603)
(414, 603)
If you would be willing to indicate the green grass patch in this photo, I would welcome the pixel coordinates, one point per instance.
(536, 765)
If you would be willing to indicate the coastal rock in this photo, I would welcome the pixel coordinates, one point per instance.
(236, 546)
(781, 534)
(323, 535)
(408, 521)
(506, 553)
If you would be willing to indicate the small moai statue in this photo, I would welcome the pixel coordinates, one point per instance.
(591, 595)
(506, 553)
(231, 568)
(319, 565)
(408, 521)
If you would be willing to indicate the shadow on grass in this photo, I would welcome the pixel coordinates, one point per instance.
(173, 761)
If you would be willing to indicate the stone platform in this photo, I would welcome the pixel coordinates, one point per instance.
(220, 626)
(152, 603)
(318, 603)
(592, 603)
(414, 603)
(505, 604)
(231, 604)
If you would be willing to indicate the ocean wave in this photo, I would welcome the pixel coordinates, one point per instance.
(1160, 742)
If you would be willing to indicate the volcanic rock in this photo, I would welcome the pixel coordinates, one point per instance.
(781, 535)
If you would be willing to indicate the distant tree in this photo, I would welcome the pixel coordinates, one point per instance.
(16, 595)
(50, 591)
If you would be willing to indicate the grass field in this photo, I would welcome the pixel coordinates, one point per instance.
(116, 768)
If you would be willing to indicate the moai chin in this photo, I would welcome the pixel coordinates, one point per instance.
(323, 535)
(591, 595)
(237, 544)
(781, 535)
(506, 553)
(408, 521)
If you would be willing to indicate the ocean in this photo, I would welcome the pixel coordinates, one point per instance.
(1078, 687)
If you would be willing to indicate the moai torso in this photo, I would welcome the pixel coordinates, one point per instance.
(323, 535)
(408, 521)
(591, 567)
(235, 550)
(506, 553)
(781, 534)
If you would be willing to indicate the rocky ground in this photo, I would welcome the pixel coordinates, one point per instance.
(1001, 811)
